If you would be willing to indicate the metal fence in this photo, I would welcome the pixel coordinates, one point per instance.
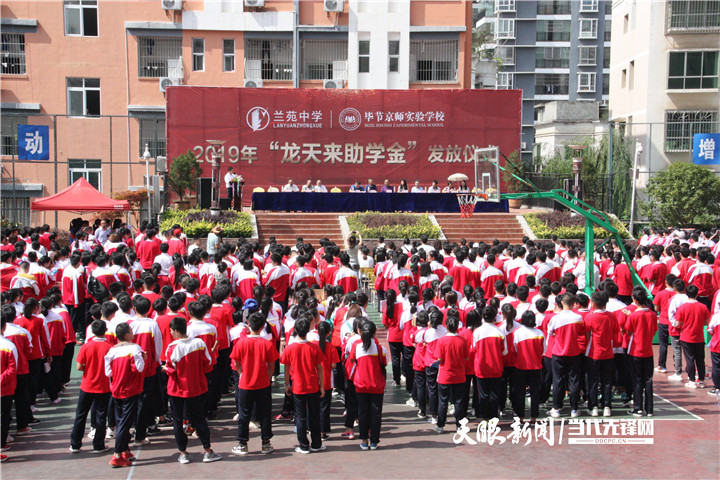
(105, 150)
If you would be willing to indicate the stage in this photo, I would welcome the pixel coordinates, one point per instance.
(363, 202)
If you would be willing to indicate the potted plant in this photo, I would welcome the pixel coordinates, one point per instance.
(182, 177)
(514, 168)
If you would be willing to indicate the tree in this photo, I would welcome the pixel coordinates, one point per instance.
(681, 195)
(183, 174)
(514, 168)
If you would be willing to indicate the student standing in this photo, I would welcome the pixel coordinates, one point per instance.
(452, 353)
(566, 326)
(254, 359)
(330, 360)
(8, 382)
(490, 347)
(714, 330)
(370, 359)
(642, 325)
(528, 344)
(20, 337)
(690, 318)
(94, 389)
(124, 364)
(602, 328)
(434, 333)
(304, 360)
(187, 361)
(391, 320)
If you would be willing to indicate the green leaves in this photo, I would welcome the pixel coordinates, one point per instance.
(200, 222)
(183, 174)
(392, 225)
(683, 194)
(562, 224)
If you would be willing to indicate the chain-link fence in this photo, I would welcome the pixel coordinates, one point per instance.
(106, 150)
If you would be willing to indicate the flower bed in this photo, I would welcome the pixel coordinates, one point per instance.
(567, 226)
(198, 223)
(392, 225)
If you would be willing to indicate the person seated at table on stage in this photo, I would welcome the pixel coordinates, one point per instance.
(386, 188)
(290, 186)
(417, 188)
(403, 187)
(319, 187)
(463, 187)
(356, 187)
(371, 187)
(308, 187)
(450, 188)
(434, 188)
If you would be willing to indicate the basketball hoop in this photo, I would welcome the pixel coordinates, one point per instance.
(467, 203)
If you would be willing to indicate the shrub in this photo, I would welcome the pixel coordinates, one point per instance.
(565, 225)
(200, 222)
(392, 225)
(183, 174)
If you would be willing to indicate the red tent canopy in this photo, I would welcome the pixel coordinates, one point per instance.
(80, 197)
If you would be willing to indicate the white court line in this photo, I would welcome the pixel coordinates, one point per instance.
(678, 407)
(132, 469)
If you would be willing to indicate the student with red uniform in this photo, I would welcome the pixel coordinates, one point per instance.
(527, 345)
(662, 304)
(621, 276)
(435, 332)
(8, 383)
(346, 276)
(147, 249)
(690, 318)
(40, 351)
(422, 320)
(254, 358)
(187, 360)
(55, 327)
(408, 330)
(452, 352)
(94, 389)
(391, 321)
(602, 328)
(330, 360)
(714, 330)
(566, 327)
(278, 277)
(74, 292)
(304, 361)
(641, 325)
(20, 337)
(124, 364)
(369, 359)
(489, 346)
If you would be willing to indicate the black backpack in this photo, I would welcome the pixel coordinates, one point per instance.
(97, 289)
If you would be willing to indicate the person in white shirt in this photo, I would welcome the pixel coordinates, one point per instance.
(417, 188)
(102, 233)
(434, 188)
(319, 187)
(230, 177)
(308, 187)
(290, 186)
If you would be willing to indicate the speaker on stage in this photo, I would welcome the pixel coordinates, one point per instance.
(204, 192)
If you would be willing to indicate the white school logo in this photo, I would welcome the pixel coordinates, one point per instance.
(350, 119)
(257, 118)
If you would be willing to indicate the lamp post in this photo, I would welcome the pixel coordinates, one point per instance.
(215, 188)
(638, 151)
(146, 157)
(577, 166)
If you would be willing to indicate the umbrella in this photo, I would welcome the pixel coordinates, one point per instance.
(457, 177)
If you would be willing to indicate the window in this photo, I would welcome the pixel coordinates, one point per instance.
(631, 75)
(8, 131)
(364, 56)
(552, 84)
(608, 7)
(588, 56)
(608, 30)
(152, 132)
(606, 57)
(692, 16)
(504, 81)
(606, 84)
(433, 60)
(155, 53)
(553, 7)
(588, 28)
(394, 55)
(16, 209)
(323, 59)
(623, 79)
(681, 125)
(691, 70)
(553, 30)
(506, 55)
(91, 170)
(506, 28)
(81, 18)
(586, 82)
(504, 5)
(268, 59)
(13, 53)
(83, 97)
(626, 23)
(588, 5)
(228, 55)
(552, 57)
(198, 48)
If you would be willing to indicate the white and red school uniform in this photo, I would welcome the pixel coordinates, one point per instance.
(452, 349)
(567, 327)
(279, 278)
(438, 269)
(642, 325)
(302, 274)
(92, 355)
(187, 362)
(488, 278)
(43, 276)
(243, 281)
(222, 316)
(73, 286)
(105, 276)
(122, 274)
(8, 271)
(463, 275)
(22, 340)
(205, 332)
(55, 327)
(367, 374)
(146, 333)
(347, 278)
(395, 275)
(490, 347)
(8, 367)
(528, 345)
(27, 283)
(124, 366)
(604, 329)
(702, 277)
(714, 330)
(426, 282)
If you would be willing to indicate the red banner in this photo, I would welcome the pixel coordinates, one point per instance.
(340, 136)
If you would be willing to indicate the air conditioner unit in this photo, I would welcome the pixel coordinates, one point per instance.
(161, 164)
(171, 4)
(334, 5)
(253, 83)
(254, 3)
(333, 83)
(168, 82)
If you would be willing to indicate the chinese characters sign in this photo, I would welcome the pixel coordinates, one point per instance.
(705, 149)
(340, 136)
(33, 142)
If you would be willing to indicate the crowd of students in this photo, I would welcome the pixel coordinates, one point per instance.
(165, 331)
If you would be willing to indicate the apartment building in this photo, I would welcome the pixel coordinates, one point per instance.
(95, 71)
